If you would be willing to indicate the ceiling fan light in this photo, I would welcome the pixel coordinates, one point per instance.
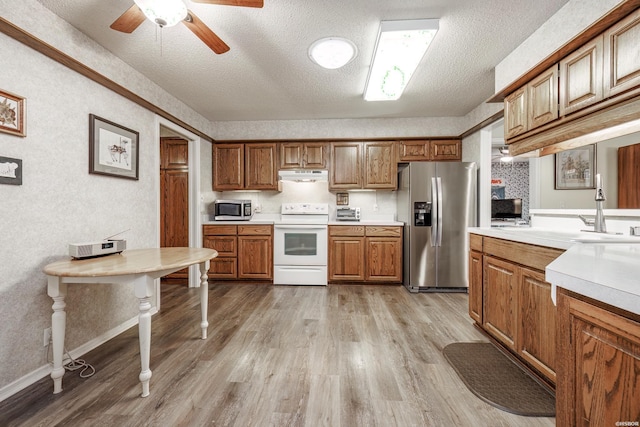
(165, 13)
(399, 49)
(332, 52)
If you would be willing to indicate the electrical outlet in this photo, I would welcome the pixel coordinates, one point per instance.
(375, 207)
(47, 337)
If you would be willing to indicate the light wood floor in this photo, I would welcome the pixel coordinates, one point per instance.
(278, 356)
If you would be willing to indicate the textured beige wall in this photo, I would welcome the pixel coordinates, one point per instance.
(59, 201)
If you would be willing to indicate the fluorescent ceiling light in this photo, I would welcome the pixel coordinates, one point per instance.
(399, 49)
(332, 52)
(165, 13)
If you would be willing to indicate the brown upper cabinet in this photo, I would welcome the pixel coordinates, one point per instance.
(304, 155)
(622, 70)
(581, 77)
(240, 166)
(380, 165)
(593, 88)
(426, 150)
(532, 105)
(357, 165)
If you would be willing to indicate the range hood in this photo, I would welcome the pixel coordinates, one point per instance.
(303, 175)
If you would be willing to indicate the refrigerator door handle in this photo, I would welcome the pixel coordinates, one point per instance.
(434, 212)
(439, 209)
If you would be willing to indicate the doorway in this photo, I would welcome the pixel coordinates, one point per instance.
(174, 198)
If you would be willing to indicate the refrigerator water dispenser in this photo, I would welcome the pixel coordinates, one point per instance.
(422, 214)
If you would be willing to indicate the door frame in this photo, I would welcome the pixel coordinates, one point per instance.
(195, 219)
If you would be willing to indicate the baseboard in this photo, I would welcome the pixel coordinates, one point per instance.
(45, 370)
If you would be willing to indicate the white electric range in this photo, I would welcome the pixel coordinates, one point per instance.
(300, 244)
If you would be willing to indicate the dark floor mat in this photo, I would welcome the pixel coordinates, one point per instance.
(494, 378)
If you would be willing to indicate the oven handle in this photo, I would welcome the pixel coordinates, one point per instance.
(300, 226)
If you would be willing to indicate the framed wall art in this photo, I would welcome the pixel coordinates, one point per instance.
(10, 171)
(12, 114)
(576, 168)
(113, 149)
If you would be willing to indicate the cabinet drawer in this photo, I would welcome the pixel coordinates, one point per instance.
(537, 257)
(346, 230)
(254, 230)
(227, 246)
(223, 268)
(381, 231)
(475, 242)
(226, 230)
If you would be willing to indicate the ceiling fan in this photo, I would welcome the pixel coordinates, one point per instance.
(166, 13)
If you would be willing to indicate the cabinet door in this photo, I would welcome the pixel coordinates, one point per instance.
(261, 167)
(475, 286)
(383, 259)
(228, 167)
(537, 317)
(346, 258)
(411, 151)
(542, 95)
(500, 311)
(622, 62)
(629, 177)
(291, 154)
(599, 362)
(255, 257)
(515, 113)
(380, 165)
(315, 155)
(346, 165)
(581, 77)
(446, 149)
(174, 212)
(174, 153)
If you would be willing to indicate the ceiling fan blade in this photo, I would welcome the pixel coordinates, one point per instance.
(129, 21)
(244, 3)
(205, 34)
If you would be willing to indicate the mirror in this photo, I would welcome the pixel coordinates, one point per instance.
(526, 176)
(606, 165)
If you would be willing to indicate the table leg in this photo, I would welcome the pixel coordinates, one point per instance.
(144, 292)
(204, 297)
(57, 291)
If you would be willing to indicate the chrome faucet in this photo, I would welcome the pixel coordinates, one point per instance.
(598, 224)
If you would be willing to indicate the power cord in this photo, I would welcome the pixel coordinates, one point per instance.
(73, 364)
(76, 364)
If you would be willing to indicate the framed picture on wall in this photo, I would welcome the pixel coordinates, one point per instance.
(576, 168)
(113, 149)
(12, 114)
(10, 171)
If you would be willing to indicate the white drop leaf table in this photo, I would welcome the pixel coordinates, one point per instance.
(140, 267)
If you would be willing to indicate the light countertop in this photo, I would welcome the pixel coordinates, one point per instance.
(604, 267)
(274, 218)
(605, 272)
(373, 222)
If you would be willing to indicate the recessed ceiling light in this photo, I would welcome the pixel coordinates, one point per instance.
(399, 49)
(332, 52)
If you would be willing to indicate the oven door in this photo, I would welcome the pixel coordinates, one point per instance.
(300, 244)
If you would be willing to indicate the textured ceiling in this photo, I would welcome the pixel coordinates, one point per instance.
(267, 74)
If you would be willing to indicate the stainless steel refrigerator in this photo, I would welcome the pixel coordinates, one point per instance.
(437, 202)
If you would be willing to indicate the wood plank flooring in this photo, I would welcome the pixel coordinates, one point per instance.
(278, 356)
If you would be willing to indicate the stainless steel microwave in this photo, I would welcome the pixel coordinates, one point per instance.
(232, 210)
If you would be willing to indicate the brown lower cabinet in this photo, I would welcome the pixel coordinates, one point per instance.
(244, 251)
(369, 254)
(510, 299)
(598, 363)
